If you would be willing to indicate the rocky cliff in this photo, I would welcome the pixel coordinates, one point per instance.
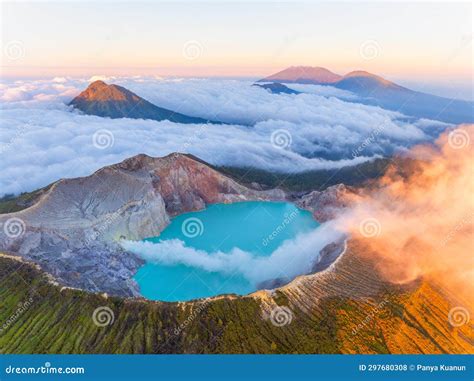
(72, 230)
(69, 237)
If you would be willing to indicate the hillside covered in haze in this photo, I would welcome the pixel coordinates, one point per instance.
(375, 90)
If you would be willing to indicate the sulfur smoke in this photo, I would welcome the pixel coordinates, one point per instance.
(419, 220)
(294, 256)
(416, 222)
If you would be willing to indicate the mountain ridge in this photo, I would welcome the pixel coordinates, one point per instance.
(377, 91)
(304, 74)
(115, 101)
(76, 224)
(70, 257)
(325, 313)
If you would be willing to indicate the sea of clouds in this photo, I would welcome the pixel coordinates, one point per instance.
(42, 139)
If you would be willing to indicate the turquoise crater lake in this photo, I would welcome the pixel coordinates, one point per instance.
(217, 250)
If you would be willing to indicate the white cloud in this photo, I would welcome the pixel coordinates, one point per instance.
(101, 78)
(325, 91)
(293, 257)
(42, 139)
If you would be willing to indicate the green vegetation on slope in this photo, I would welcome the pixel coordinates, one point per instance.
(311, 180)
(10, 203)
(61, 322)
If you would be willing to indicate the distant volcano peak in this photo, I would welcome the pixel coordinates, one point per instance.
(115, 101)
(374, 90)
(366, 74)
(97, 84)
(304, 74)
(101, 91)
